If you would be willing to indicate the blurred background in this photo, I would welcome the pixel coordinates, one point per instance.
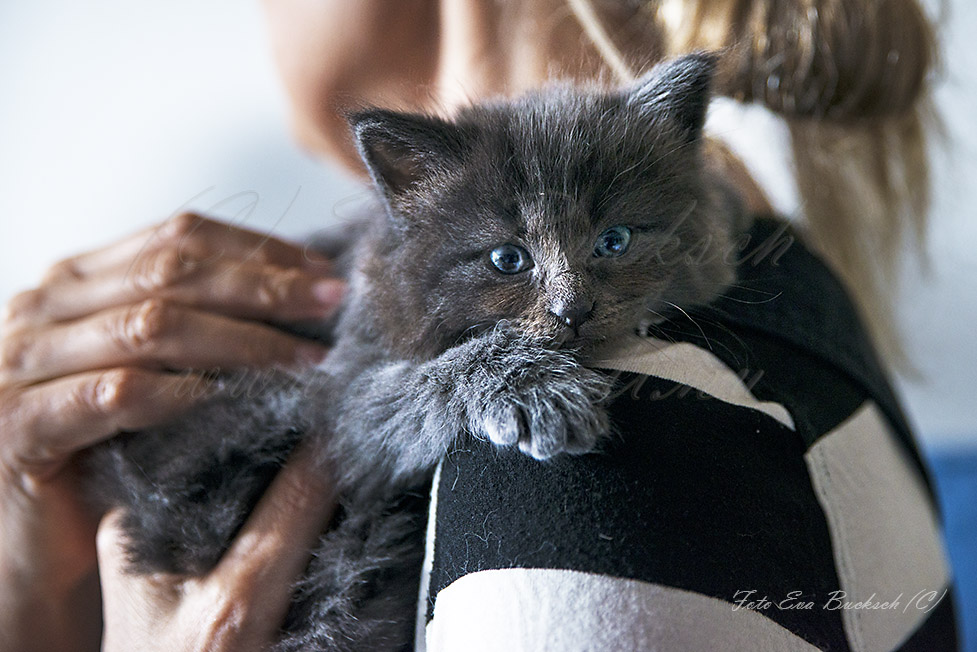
(115, 115)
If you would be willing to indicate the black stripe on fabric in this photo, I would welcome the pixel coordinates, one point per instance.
(785, 303)
(699, 495)
(938, 632)
(817, 396)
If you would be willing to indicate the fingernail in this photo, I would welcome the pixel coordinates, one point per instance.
(309, 355)
(329, 292)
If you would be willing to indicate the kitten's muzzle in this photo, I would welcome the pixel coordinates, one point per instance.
(572, 313)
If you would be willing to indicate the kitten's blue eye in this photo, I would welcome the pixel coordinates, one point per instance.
(510, 259)
(613, 242)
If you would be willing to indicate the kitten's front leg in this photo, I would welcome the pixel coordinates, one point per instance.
(499, 386)
(544, 400)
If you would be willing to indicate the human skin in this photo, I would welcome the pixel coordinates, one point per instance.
(240, 604)
(91, 351)
(438, 55)
(427, 55)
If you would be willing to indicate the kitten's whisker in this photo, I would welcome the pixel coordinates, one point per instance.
(740, 286)
(478, 329)
(623, 172)
(750, 303)
(657, 329)
(736, 337)
(656, 313)
(689, 317)
(660, 333)
(732, 334)
(613, 195)
(651, 163)
(684, 335)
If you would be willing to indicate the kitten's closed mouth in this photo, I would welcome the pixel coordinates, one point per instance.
(575, 340)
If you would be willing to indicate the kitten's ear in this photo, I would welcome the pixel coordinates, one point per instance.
(678, 92)
(401, 149)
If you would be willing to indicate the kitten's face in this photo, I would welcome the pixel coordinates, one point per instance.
(574, 216)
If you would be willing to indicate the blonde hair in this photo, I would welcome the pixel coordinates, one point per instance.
(849, 77)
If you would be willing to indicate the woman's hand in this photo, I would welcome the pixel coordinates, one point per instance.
(105, 344)
(240, 605)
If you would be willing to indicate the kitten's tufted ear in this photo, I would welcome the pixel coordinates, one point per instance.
(677, 91)
(401, 149)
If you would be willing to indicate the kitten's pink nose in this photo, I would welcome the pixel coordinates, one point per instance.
(572, 313)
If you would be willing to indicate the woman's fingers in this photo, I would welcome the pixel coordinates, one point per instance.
(275, 543)
(153, 334)
(44, 424)
(241, 604)
(83, 356)
(196, 237)
(194, 261)
(87, 354)
(243, 289)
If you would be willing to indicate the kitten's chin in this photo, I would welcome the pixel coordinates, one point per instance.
(585, 340)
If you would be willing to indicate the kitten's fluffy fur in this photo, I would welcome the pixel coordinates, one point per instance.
(435, 342)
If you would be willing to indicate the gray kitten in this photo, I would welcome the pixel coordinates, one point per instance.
(515, 239)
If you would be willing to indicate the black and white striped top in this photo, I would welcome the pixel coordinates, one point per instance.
(763, 493)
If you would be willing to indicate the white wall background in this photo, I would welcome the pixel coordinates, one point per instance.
(116, 114)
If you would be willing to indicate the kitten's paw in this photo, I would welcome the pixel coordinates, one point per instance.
(550, 406)
(501, 423)
(550, 426)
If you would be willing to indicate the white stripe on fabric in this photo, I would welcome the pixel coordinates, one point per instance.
(550, 610)
(428, 565)
(884, 533)
(690, 365)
